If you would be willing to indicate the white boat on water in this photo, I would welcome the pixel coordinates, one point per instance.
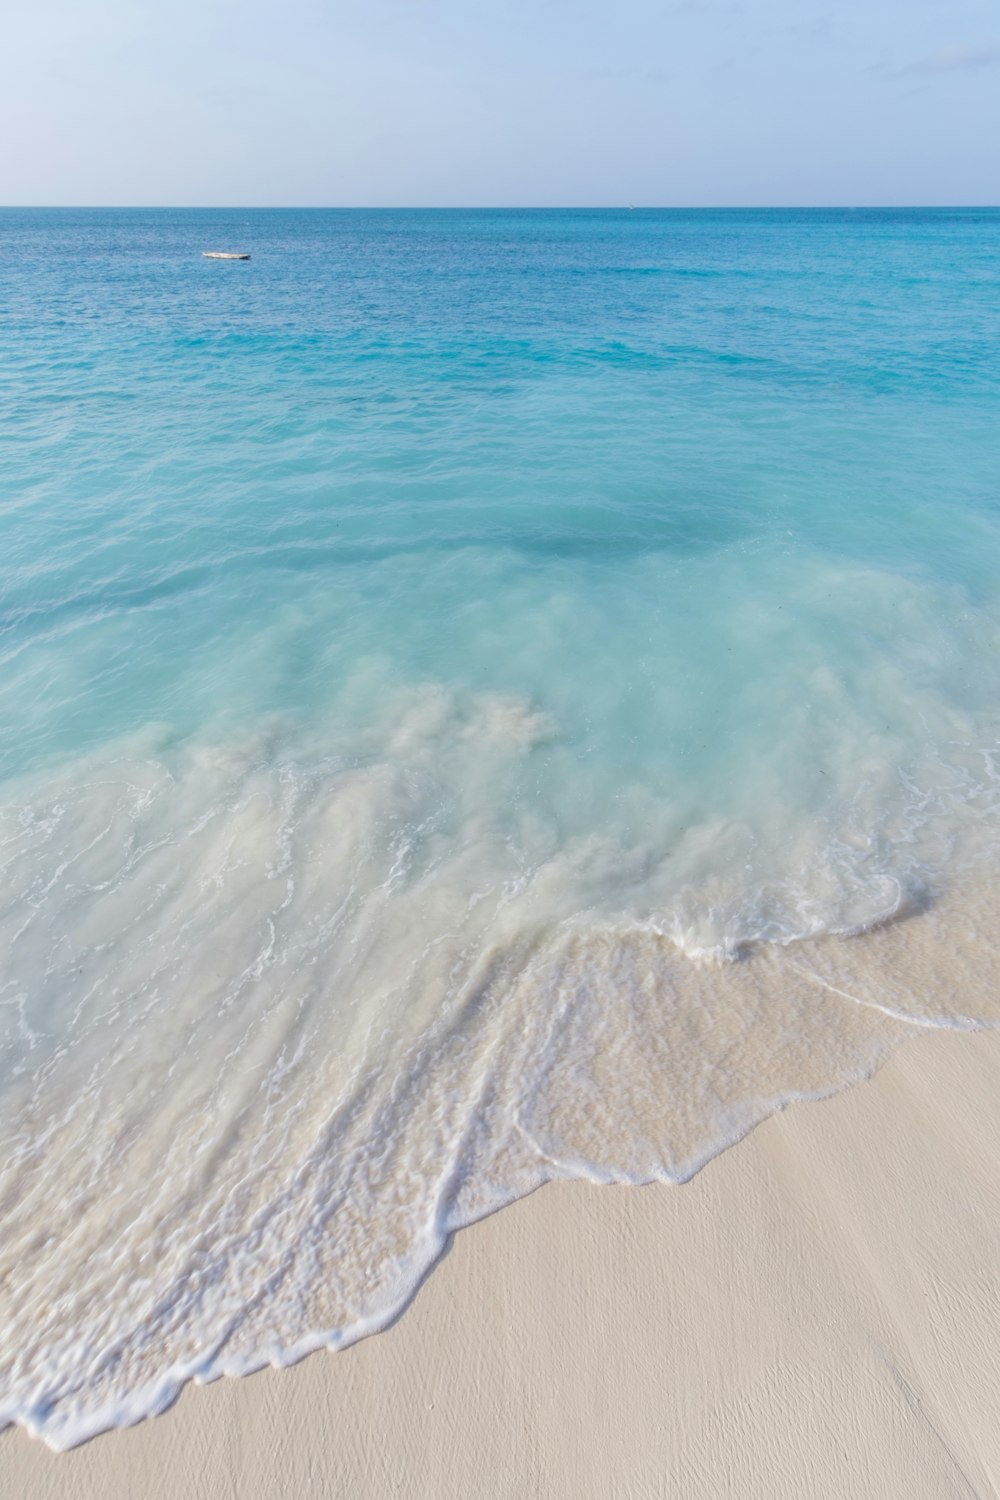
(226, 254)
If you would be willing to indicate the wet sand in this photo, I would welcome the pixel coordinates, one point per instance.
(816, 1313)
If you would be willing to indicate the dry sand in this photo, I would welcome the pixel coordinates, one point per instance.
(816, 1314)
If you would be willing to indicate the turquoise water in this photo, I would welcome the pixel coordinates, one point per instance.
(456, 667)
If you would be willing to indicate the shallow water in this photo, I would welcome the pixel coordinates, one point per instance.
(484, 696)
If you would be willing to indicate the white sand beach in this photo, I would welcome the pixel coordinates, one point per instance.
(816, 1314)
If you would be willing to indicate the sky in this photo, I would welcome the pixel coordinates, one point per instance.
(499, 102)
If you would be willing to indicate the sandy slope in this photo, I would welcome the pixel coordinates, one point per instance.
(816, 1314)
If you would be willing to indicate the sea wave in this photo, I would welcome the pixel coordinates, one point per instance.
(281, 1012)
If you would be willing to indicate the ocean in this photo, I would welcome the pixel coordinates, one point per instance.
(485, 697)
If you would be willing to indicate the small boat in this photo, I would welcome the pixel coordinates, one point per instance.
(226, 254)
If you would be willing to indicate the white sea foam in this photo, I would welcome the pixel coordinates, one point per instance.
(281, 1012)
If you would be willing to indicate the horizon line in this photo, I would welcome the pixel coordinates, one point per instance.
(501, 207)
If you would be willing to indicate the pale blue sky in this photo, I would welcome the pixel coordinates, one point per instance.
(500, 102)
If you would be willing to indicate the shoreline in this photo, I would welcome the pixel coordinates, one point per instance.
(816, 1312)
